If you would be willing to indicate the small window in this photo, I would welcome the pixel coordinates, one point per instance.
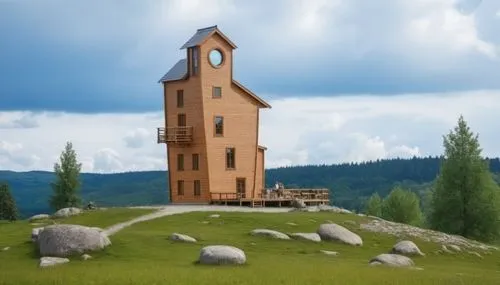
(180, 162)
(180, 98)
(180, 187)
(181, 120)
(217, 92)
(197, 188)
(219, 126)
(196, 161)
(194, 60)
(230, 158)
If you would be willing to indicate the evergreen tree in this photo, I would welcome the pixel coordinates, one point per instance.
(374, 206)
(67, 184)
(8, 209)
(466, 199)
(402, 206)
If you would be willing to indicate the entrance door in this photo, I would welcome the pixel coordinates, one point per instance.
(241, 187)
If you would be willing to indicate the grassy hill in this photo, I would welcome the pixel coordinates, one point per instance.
(142, 254)
(350, 184)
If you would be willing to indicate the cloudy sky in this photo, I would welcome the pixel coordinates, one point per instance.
(349, 80)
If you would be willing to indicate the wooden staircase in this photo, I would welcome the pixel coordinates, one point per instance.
(257, 203)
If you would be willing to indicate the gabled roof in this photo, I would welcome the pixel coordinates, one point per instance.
(251, 94)
(202, 35)
(177, 72)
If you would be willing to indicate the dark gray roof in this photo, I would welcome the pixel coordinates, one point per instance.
(200, 35)
(178, 71)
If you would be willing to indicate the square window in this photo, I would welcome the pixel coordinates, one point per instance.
(216, 92)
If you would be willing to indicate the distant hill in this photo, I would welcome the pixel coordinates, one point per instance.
(350, 183)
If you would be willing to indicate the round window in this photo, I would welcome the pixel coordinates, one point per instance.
(215, 57)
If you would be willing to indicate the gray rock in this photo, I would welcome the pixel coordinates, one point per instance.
(214, 216)
(455, 247)
(394, 260)
(334, 232)
(291, 224)
(66, 212)
(269, 233)
(86, 257)
(34, 234)
(222, 254)
(48, 261)
(65, 240)
(406, 247)
(181, 237)
(298, 204)
(39, 217)
(475, 253)
(328, 252)
(6, 248)
(306, 236)
(444, 248)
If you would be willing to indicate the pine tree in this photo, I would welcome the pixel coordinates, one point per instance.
(67, 184)
(466, 199)
(374, 206)
(402, 206)
(8, 208)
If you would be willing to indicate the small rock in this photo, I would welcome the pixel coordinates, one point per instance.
(416, 268)
(51, 261)
(475, 253)
(307, 236)
(221, 255)
(214, 216)
(445, 249)
(66, 212)
(393, 260)
(406, 247)
(205, 222)
(334, 232)
(455, 247)
(6, 248)
(39, 217)
(328, 252)
(291, 224)
(312, 220)
(361, 215)
(298, 204)
(34, 234)
(86, 257)
(181, 237)
(269, 233)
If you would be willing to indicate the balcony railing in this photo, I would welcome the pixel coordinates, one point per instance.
(175, 135)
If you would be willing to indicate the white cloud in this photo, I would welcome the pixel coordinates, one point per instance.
(18, 120)
(138, 138)
(296, 131)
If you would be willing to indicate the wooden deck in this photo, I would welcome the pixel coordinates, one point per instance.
(281, 198)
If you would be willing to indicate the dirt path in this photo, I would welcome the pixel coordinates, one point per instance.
(178, 209)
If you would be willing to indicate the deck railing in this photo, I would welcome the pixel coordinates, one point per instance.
(175, 134)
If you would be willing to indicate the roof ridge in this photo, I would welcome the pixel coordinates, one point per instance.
(208, 28)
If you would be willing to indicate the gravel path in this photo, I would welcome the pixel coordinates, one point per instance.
(178, 209)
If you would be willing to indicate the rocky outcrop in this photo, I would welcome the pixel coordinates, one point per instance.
(406, 247)
(222, 255)
(334, 232)
(269, 233)
(298, 204)
(182, 238)
(34, 234)
(306, 236)
(39, 217)
(393, 260)
(65, 240)
(67, 212)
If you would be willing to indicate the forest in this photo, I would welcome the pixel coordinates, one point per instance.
(350, 184)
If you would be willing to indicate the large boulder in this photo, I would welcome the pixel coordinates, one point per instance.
(406, 247)
(39, 217)
(181, 237)
(65, 240)
(298, 204)
(393, 260)
(334, 232)
(222, 254)
(52, 261)
(306, 236)
(66, 212)
(269, 233)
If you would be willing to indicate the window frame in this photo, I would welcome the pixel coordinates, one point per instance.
(180, 187)
(180, 162)
(180, 95)
(213, 92)
(228, 166)
(196, 188)
(215, 126)
(197, 160)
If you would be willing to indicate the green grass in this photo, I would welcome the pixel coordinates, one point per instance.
(142, 254)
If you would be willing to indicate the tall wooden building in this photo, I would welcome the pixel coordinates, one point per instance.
(211, 127)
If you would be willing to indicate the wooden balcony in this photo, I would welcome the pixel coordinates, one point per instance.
(180, 135)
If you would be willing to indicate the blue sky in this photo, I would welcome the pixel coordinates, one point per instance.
(349, 80)
(87, 56)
